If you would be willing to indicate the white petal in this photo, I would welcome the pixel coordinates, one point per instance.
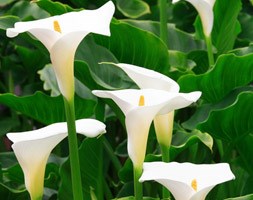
(164, 128)
(32, 149)
(139, 118)
(96, 21)
(207, 176)
(62, 56)
(146, 78)
(138, 121)
(90, 127)
(180, 100)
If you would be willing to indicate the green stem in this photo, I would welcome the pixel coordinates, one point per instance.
(163, 21)
(137, 185)
(209, 51)
(165, 158)
(73, 150)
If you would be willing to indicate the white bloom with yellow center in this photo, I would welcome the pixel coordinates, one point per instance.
(32, 149)
(150, 79)
(187, 181)
(62, 34)
(140, 107)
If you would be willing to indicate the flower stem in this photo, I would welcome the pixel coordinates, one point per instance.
(163, 21)
(166, 158)
(209, 51)
(137, 185)
(73, 150)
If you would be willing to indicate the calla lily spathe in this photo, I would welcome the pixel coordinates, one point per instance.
(205, 10)
(138, 118)
(62, 34)
(32, 149)
(145, 79)
(187, 181)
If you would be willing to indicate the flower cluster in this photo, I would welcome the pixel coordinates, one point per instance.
(155, 102)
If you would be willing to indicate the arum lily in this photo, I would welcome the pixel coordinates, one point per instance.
(205, 10)
(146, 78)
(187, 181)
(32, 149)
(140, 107)
(62, 34)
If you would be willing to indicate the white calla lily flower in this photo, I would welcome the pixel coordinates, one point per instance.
(32, 149)
(140, 107)
(187, 181)
(205, 10)
(62, 34)
(150, 79)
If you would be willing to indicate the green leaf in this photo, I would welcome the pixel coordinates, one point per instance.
(177, 38)
(104, 75)
(229, 72)
(233, 122)
(142, 49)
(91, 157)
(31, 65)
(5, 2)
(54, 8)
(6, 124)
(8, 159)
(46, 109)
(47, 75)
(226, 26)
(7, 21)
(26, 10)
(246, 22)
(133, 9)
(182, 140)
(10, 194)
(244, 147)
(203, 111)
(246, 197)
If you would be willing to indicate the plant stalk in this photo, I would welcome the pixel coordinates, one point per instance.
(137, 185)
(73, 150)
(163, 22)
(165, 158)
(209, 51)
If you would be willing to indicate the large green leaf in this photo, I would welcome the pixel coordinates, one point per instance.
(54, 8)
(229, 72)
(226, 26)
(203, 111)
(246, 197)
(233, 122)
(133, 9)
(182, 140)
(11, 194)
(177, 38)
(91, 162)
(104, 75)
(7, 21)
(244, 147)
(46, 109)
(246, 22)
(135, 46)
(26, 9)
